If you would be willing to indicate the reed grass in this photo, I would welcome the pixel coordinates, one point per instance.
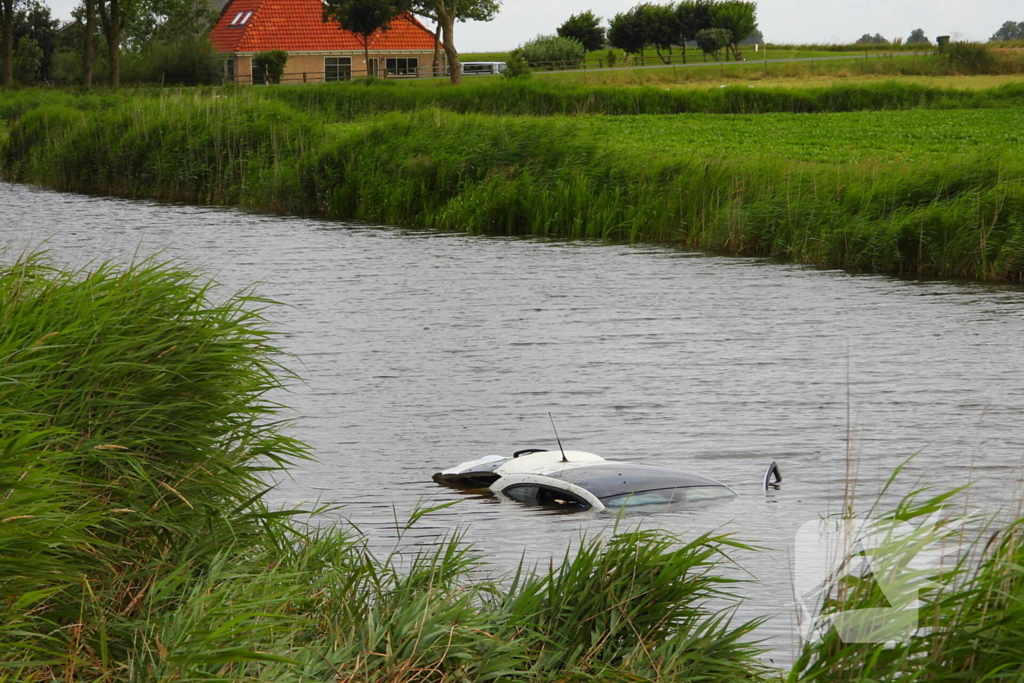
(969, 625)
(958, 216)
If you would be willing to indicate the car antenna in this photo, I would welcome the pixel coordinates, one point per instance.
(564, 459)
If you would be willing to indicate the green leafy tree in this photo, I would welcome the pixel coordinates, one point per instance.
(711, 41)
(661, 28)
(445, 13)
(1010, 30)
(271, 63)
(755, 37)
(917, 37)
(738, 17)
(868, 39)
(586, 28)
(692, 16)
(552, 52)
(628, 32)
(28, 61)
(364, 17)
(32, 20)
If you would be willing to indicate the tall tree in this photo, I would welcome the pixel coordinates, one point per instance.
(32, 20)
(584, 27)
(917, 37)
(364, 17)
(692, 16)
(1010, 30)
(661, 28)
(89, 50)
(112, 15)
(445, 13)
(738, 17)
(628, 32)
(7, 38)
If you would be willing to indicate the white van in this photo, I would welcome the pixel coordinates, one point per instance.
(482, 68)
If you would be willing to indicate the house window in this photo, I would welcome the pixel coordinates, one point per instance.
(229, 70)
(337, 68)
(402, 66)
(374, 67)
(241, 19)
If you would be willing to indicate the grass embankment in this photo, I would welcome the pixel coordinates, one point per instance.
(815, 62)
(135, 544)
(903, 208)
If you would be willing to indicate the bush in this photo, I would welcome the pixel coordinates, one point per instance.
(552, 52)
(271, 64)
(67, 67)
(185, 62)
(517, 66)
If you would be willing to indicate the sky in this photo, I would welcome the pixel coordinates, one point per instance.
(781, 21)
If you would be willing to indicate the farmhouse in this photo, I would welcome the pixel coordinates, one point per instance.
(317, 51)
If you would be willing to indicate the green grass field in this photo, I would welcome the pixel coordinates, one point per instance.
(888, 137)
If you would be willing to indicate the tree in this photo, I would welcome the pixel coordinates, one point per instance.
(712, 40)
(113, 14)
(628, 32)
(445, 13)
(586, 28)
(32, 20)
(364, 17)
(755, 37)
(917, 37)
(28, 61)
(89, 49)
(1011, 30)
(868, 39)
(7, 38)
(692, 16)
(738, 17)
(271, 63)
(660, 27)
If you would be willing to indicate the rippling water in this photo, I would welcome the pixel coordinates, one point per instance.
(420, 350)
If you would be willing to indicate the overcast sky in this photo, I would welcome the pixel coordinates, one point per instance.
(782, 21)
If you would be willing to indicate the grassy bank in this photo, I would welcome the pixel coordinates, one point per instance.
(135, 544)
(900, 199)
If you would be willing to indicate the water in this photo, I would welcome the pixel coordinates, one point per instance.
(421, 350)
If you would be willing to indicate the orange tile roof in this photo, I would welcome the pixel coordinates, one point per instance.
(296, 26)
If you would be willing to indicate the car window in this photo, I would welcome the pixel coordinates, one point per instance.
(532, 494)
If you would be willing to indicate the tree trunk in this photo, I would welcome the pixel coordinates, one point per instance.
(110, 19)
(89, 57)
(7, 79)
(437, 51)
(447, 22)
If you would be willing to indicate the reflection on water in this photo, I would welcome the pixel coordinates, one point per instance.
(421, 350)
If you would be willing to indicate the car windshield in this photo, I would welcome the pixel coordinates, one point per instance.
(688, 495)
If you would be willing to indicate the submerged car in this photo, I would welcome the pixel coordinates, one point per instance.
(584, 481)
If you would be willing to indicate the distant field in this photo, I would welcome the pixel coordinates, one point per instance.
(883, 136)
(650, 57)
